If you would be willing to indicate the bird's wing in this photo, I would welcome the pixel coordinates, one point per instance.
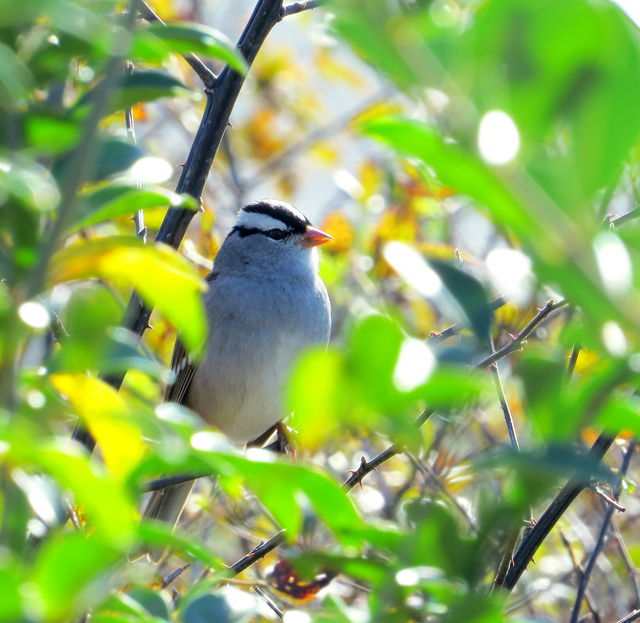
(183, 367)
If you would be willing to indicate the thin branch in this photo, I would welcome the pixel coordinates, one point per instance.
(454, 329)
(258, 552)
(298, 7)
(620, 220)
(138, 217)
(203, 71)
(579, 573)
(632, 616)
(538, 533)
(607, 499)
(584, 581)
(517, 341)
(573, 359)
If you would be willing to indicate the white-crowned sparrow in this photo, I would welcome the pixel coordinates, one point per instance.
(265, 303)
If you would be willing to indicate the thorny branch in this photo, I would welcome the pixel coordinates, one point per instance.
(584, 580)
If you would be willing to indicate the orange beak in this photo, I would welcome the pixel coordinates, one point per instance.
(314, 237)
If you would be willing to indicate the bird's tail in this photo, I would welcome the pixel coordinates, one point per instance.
(166, 505)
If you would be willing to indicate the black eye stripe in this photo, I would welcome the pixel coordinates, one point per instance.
(274, 234)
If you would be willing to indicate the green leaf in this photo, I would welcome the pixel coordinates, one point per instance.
(157, 41)
(109, 508)
(207, 608)
(455, 167)
(162, 277)
(10, 587)
(154, 602)
(50, 135)
(111, 156)
(70, 574)
(116, 200)
(470, 295)
(158, 533)
(140, 86)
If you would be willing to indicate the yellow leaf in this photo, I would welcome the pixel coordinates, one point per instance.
(162, 277)
(108, 418)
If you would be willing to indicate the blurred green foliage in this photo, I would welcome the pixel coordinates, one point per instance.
(564, 75)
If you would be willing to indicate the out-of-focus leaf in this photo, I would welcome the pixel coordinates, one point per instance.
(160, 534)
(162, 277)
(315, 396)
(112, 201)
(140, 86)
(108, 417)
(217, 607)
(157, 41)
(456, 168)
(154, 602)
(469, 294)
(558, 461)
(544, 79)
(10, 588)
(109, 509)
(111, 156)
(619, 416)
(15, 79)
(49, 134)
(70, 574)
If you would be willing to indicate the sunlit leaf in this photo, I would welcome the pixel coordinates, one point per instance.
(143, 85)
(163, 278)
(113, 201)
(108, 507)
(70, 574)
(184, 39)
(109, 418)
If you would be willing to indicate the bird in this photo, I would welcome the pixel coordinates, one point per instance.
(265, 303)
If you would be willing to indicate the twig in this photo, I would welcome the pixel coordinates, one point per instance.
(138, 217)
(619, 220)
(298, 7)
(584, 581)
(259, 551)
(579, 573)
(628, 563)
(516, 342)
(205, 74)
(573, 359)
(607, 499)
(632, 616)
(454, 329)
(533, 539)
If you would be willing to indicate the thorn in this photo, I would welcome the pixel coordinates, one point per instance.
(184, 164)
(435, 334)
(514, 336)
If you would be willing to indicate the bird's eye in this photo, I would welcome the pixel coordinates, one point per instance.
(276, 234)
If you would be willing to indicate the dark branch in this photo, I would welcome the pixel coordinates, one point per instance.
(538, 533)
(258, 552)
(517, 341)
(584, 580)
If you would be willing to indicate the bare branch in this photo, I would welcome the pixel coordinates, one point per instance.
(517, 341)
(298, 7)
(584, 581)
